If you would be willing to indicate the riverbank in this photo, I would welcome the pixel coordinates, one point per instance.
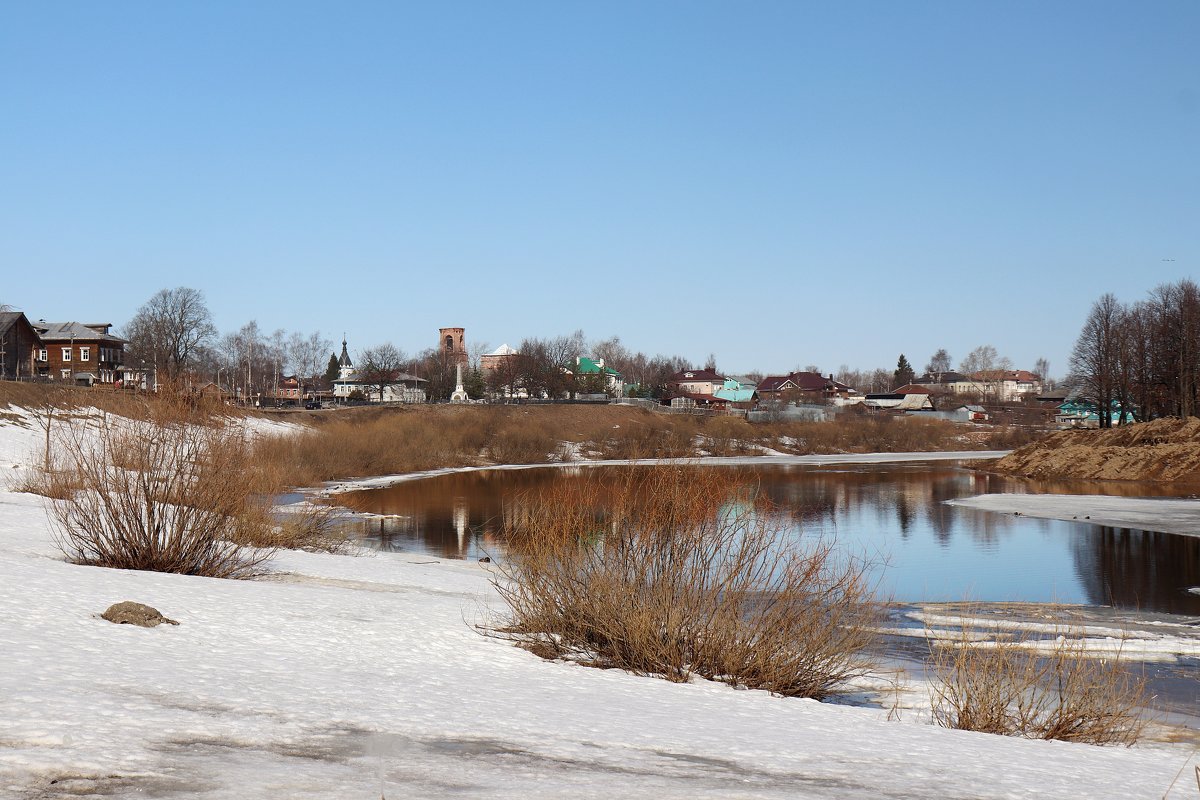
(360, 677)
(342, 676)
(1163, 450)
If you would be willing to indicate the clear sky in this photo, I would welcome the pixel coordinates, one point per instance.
(777, 183)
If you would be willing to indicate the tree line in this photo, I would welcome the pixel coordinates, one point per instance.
(1141, 360)
(174, 334)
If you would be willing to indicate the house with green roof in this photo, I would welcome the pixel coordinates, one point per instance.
(735, 393)
(606, 379)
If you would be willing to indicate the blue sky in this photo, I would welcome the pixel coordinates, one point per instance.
(779, 184)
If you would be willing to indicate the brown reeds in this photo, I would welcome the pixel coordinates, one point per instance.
(360, 442)
(1014, 684)
(174, 492)
(675, 572)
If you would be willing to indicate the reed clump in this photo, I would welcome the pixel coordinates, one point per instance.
(675, 572)
(1013, 684)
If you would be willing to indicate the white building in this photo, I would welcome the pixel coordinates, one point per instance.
(406, 388)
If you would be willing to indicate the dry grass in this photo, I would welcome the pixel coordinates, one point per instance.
(381, 441)
(171, 493)
(1007, 685)
(313, 528)
(672, 571)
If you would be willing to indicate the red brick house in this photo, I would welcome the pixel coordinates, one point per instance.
(19, 344)
(81, 353)
(804, 386)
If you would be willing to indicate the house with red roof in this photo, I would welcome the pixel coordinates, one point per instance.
(808, 387)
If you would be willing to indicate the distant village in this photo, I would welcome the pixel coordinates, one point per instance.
(89, 354)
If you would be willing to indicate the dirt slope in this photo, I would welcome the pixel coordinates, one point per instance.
(1162, 450)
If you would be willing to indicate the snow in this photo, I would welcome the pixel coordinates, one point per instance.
(361, 676)
(1167, 515)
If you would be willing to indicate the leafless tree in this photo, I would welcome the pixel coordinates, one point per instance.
(170, 328)
(306, 354)
(1041, 368)
(380, 367)
(1095, 360)
(939, 362)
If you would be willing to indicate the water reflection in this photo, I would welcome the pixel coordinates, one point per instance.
(894, 514)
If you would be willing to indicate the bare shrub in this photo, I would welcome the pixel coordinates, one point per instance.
(315, 528)
(671, 571)
(1015, 685)
(171, 493)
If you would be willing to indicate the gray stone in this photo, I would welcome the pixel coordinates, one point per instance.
(131, 613)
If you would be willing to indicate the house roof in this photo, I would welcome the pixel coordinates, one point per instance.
(344, 360)
(1018, 375)
(67, 331)
(588, 366)
(704, 399)
(10, 318)
(738, 395)
(687, 375)
(935, 378)
(503, 350)
(916, 388)
(914, 402)
(803, 381)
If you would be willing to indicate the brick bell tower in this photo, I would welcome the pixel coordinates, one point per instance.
(452, 344)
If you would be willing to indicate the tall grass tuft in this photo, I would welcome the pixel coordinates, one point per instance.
(673, 571)
(1011, 684)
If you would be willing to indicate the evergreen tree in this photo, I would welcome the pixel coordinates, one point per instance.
(474, 384)
(904, 372)
(333, 370)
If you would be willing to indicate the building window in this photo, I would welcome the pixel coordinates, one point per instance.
(85, 354)
(43, 356)
(66, 374)
(66, 354)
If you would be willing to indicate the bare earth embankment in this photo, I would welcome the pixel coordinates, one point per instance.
(1165, 450)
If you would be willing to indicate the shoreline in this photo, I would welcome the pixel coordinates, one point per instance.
(358, 484)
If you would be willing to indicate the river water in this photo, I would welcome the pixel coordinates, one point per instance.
(893, 514)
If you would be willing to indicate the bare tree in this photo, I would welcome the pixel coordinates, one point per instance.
(170, 328)
(1094, 360)
(306, 354)
(380, 367)
(982, 359)
(939, 362)
(1041, 368)
(543, 364)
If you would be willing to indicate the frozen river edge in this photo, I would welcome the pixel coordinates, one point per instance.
(1167, 515)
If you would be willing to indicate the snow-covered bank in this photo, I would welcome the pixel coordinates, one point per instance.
(1167, 515)
(725, 461)
(362, 676)
(344, 676)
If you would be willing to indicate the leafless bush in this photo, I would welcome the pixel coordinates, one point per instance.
(672, 572)
(314, 528)
(1008, 685)
(171, 493)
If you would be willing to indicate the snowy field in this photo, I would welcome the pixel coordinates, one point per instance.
(362, 676)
